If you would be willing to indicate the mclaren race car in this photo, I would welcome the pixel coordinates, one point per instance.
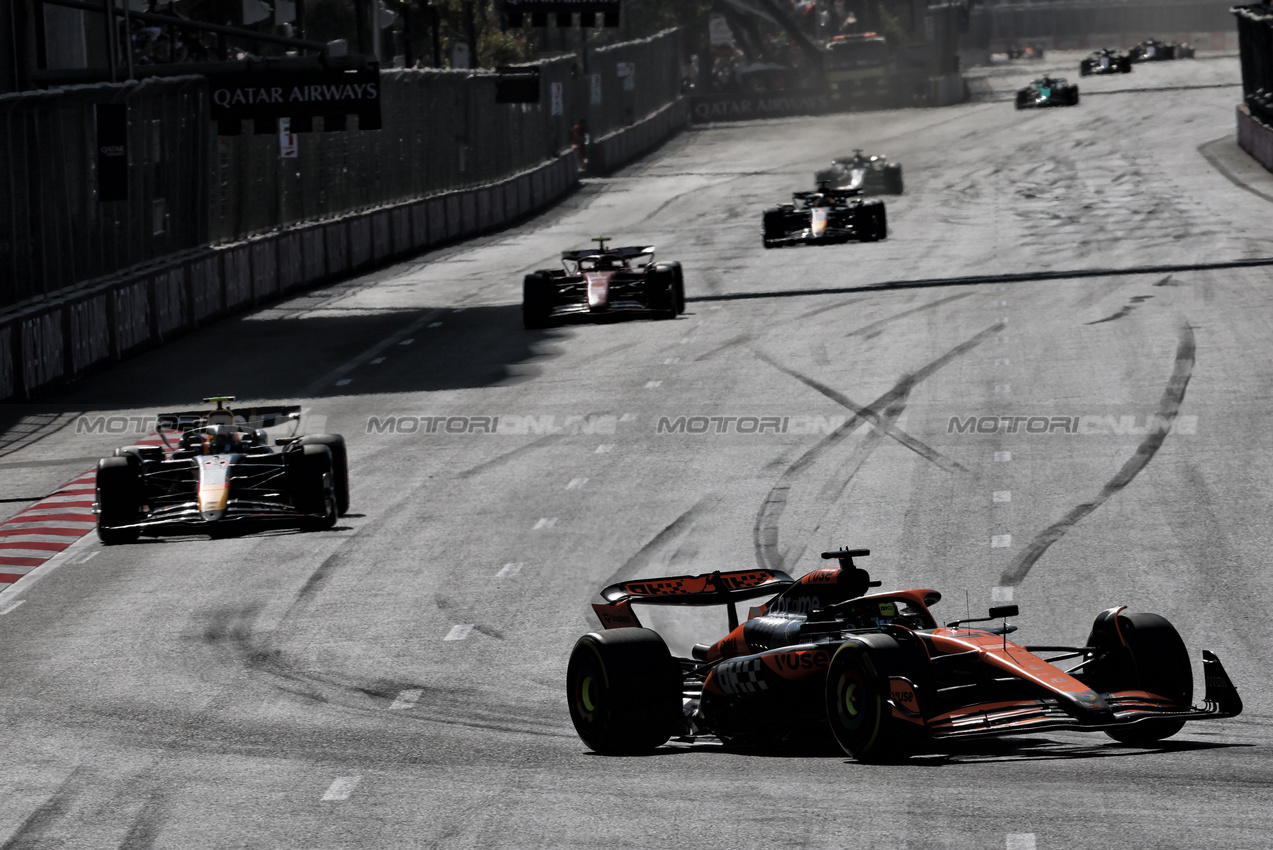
(1105, 61)
(1048, 91)
(603, 281)
(222, 474)
(873, 175)
(825, 662)
(1154, 50)
(824, 216)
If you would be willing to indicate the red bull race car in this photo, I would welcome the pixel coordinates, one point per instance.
(603, 282)
(825, 216)
(826, 662)
(222, 474)
(1153, 50)
(1105, 61)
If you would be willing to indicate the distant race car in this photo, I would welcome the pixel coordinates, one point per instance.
(1153, 50)
(603, 281)
(1025, 51)
(825, 662)
(874, 175)
(222, 474)
(1048, 91)
(1105, 61)
(825, 216)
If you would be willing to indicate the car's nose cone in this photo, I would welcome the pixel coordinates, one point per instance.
(212, 516)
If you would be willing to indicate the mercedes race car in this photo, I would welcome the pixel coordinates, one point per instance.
(1105, 61)
(827, 663)
(222, 474)
(1048, 91)
(1154, 50)
(873, 175)
(824, 216)
(603, 281)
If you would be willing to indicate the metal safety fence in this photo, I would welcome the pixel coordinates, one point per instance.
(189, 188)
(1065, 23)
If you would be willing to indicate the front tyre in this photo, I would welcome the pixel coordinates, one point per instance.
(679, 274)
(1141, 652)
(119, 499)
(309, 475)
(857, 704)
(624, 690)
(340, 465)
(537, 300)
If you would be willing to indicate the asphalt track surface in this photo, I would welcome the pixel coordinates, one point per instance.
(1102, 265)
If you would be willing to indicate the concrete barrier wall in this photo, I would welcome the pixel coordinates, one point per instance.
(617, 149)
(1255, 137)
(107, 320)
(1226, 41)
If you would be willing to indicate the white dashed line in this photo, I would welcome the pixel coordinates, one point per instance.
(685, 340)
(1001, 594)
(1000, 541)
(1021, 841)
(407, 699)
(671, 361)
(459, 632)
(1003, 320)
(342, 788)
(406, 342)
(12, 607)
(344, 382)
(1001, 496)
(545, 522)
(1002, 303)
(604, 448)
(653, 385)
(1003, 457)
(435, 324)
(1003, 389)
(510, 569)
(82, 557)
(628, 417)
(376, 361)
(459, 309)
(1003, 361)
(576, 483)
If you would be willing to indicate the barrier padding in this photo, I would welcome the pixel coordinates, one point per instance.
(205, 288)
(400, 229)
(454, 215)
(90, 331)
(381, 235)
(360, 242)
(130, 304)
(42, 348)
(314, 254)
(337, 235)
(291, 263)
(1255, 137)
(168, 294)
(419, 225)
(264, 269)
(236, 276)
(8, 380)
(437, 219)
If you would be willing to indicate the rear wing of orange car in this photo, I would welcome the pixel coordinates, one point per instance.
(717, 588)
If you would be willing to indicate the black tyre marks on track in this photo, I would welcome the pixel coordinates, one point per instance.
(881, 413)
(1168, 407)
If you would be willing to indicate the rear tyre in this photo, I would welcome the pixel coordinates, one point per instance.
(775, 226)
(680, 287)
(340, 466)
(1022, 99)
(624, 690)
(119, 492)
(1074, 96)
(309, 473)
(537, 300)
(661, 291)
(858, 710)
(893, 179)
(1084, 69)
(1145, 653)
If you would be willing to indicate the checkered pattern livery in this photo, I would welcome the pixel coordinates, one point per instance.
(740, 677)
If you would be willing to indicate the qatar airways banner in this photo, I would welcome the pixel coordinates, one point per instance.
(266, 96)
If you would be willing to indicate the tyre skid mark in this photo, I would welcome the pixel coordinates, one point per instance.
(880, 413)
(1168, 408)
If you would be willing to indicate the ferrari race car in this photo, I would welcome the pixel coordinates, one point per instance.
(825, 215)
(1048, 91)
(871, 174)
(223, 473)
(603, 281)
(1105, 61)
(1154, 50)
(826, 663)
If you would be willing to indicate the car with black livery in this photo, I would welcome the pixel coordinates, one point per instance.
(825, 216)
(872, 174)
(1047, 92)
(1105, 61)
(224, 473)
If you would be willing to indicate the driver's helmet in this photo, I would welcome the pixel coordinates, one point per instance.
(220, 439)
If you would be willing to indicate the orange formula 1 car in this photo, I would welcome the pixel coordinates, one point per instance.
(825, 660)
